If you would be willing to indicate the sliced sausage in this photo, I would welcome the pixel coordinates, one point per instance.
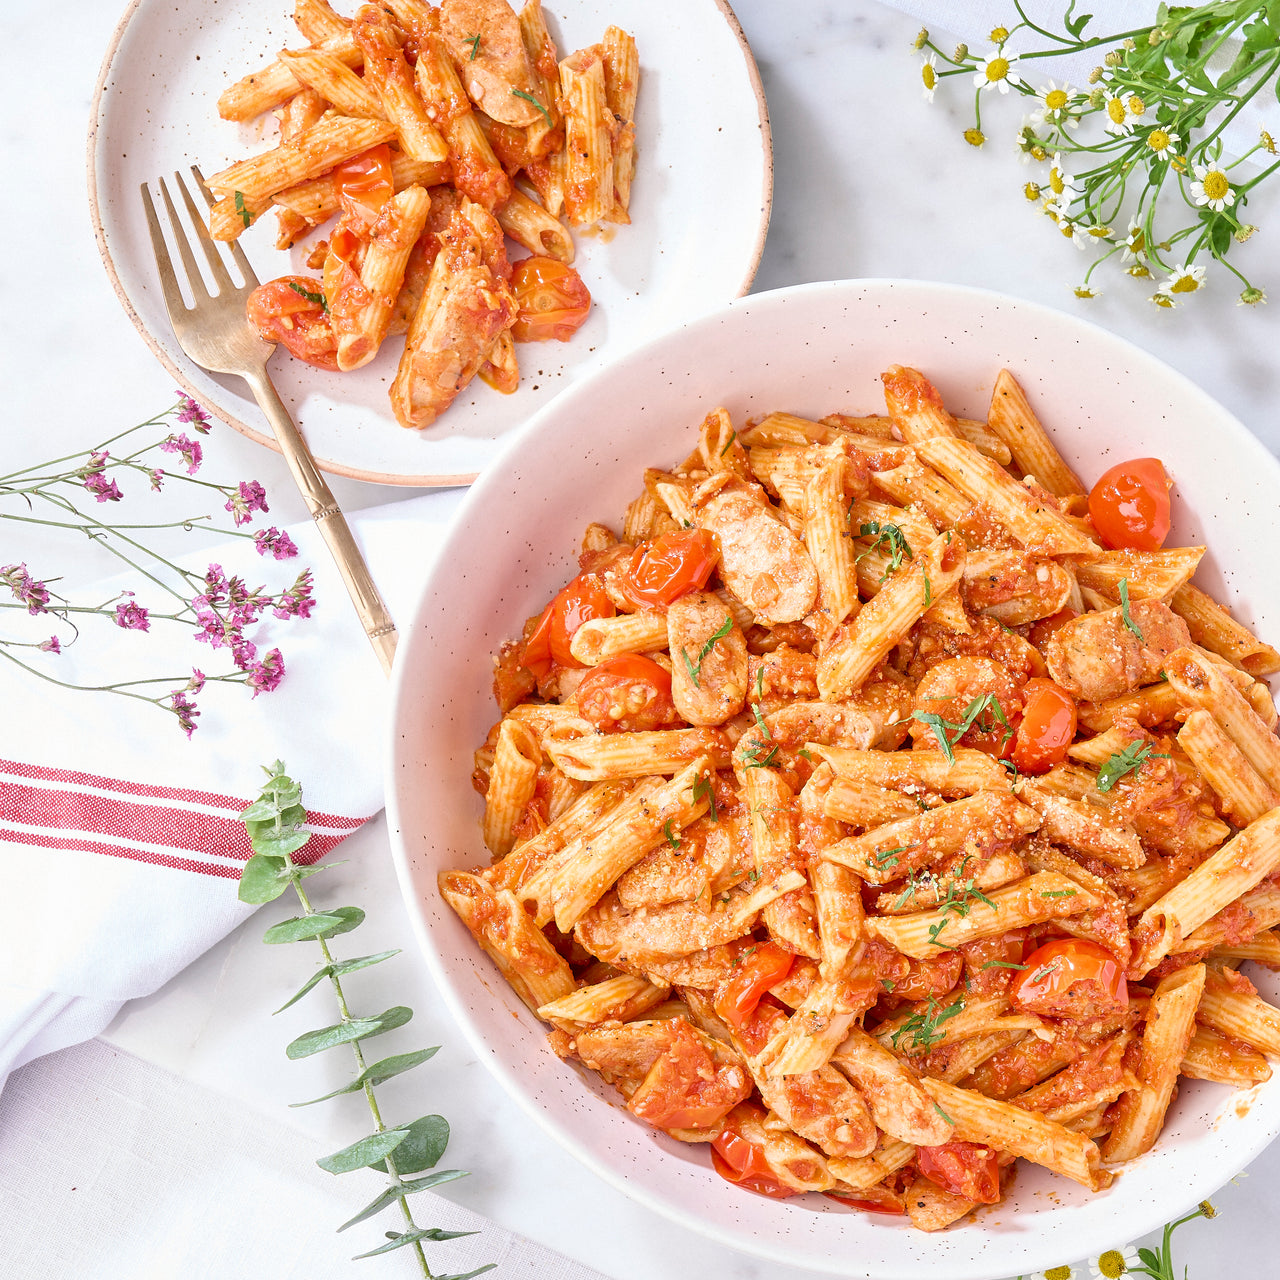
(708, 659)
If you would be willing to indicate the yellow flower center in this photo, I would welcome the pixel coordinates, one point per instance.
(1111, 1264)
(1056, 185)
(1136, 105)
(1158, 140)
(1215, 184)
(1068, 229)
(1137, 241)
(1161, 300)
(1032, 191)
(929, 76)
(1039, 153)
(1083, 291)
(1184, 284)
(1139, 272)
(999, 35)
(997, 69)
(1058, 1273)
(1115, 110)
(975, 137)
(1056, 99)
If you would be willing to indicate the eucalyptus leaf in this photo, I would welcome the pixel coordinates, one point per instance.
(423, 1148)
(263, 879)
(360, 1155)
(318, 976)
(344, 1032)
(375, 1075)
(469, 1275)
(363, 962)
(320, 924)
(401, 1238)
(286, 842)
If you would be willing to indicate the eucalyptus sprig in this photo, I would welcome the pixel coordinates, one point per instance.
(275, 823)
(1157, 156)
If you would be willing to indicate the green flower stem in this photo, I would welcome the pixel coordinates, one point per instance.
(336, 982)
(157, 421)
(123, 688)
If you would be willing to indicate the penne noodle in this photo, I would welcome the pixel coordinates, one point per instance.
(1012, 419)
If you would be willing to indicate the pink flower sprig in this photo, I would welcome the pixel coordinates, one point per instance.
(219, 610)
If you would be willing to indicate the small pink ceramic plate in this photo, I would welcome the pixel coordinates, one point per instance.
(700, 210)
(811, 350)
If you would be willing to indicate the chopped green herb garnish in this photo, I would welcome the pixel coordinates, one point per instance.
(1128, 760)
(1124, 610)
(703, 790)
(760, 684)
(694, 667)
(474, 42)
(728, 444)
(672, 839)
(805, 754)
(949, 732)
(528, 97)
(1001, 964)
(689, 667)
(922, 1026)
(888, 983)
(943, 1114)
(317, 298)
(1059, 893)
(1045, 970)
(245, 216)
(928, 591)
(891, 538)
(757, 760)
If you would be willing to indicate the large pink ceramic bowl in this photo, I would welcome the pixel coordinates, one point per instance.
(811, 350)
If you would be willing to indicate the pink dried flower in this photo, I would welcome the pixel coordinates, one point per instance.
(185, 709)
(196, 683)
(250, 497)
(26, 590)
(51, 645)
(275, 542)
(298, 601)
(101, 488)
(190, 450)
(265, 676)
(132, 617)
(157, 479)
(192, 413)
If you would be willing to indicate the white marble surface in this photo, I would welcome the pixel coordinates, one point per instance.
(869, 182)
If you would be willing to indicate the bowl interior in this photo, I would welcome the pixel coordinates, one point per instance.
(811, 350)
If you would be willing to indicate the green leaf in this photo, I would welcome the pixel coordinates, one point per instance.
(289, 841)
(405, 1189)
(263, 879)
(401, 1238)
(320, 924)
(423, 1148)
(360, 1155)
(344, 1032)
(319, 974)
(1148, 1259)
(469, 1275)
(363, 962)
(376, 1074)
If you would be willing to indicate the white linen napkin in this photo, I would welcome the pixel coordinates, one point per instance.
(120, 841)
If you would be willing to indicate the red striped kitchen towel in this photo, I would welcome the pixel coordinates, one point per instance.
(120, 840)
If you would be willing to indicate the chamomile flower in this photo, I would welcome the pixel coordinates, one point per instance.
(1061, 183)
(1212, 187)
(1074, 232)
(1163, 143)
(1135, 242)
(1087, 291)
(1114, 1263)
(1136, 105)
(1251, 297)
(1116, 108)
(929, 74)
(1183, 279)
(1054, 107)
(1062, 1272)
(997, 73)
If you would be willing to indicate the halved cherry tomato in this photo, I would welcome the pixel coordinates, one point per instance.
(670, 566)
(891, 1204)
(738, 1160)
(966, 1169)
(628, 692)
(1047, 728)
(1072, 978)
(760, 967)
(1129, 506)
(365, 183)
(1042, 630)
(686, 1088)
(548, 644)
(553, 302)
(292, 310)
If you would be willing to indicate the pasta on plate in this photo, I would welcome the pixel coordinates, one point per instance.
(880, 806)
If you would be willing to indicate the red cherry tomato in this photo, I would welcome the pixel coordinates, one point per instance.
(628, 692)
(965, 1169)
(1129, 506)
(552, 300)
(1047, 729)
(890, 1204)
(685, 1089)
(1072, 978)
(292, 310)
(736, 1159)
(670, 566)
(365, 183)
(1042, 630)
(760, 967)
(548, 644)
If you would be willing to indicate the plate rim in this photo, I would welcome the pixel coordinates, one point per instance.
(667, 1209)
(178, 372)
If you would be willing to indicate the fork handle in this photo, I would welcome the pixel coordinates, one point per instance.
(329, 520)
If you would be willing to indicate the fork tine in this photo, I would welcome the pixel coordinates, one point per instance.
(218, 268)
(237, 253)
(195, 281)
(164, 264)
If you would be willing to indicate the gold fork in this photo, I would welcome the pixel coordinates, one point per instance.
(218, 335)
